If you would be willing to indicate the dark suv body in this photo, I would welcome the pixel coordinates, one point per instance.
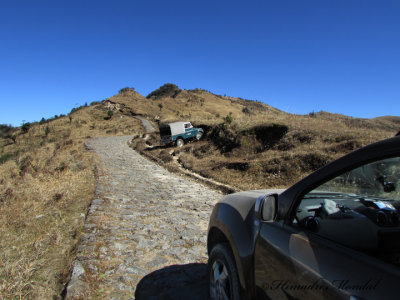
(333, 235)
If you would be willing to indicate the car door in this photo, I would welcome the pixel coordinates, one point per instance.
(189, 131)
(336, 247)
(287, 267)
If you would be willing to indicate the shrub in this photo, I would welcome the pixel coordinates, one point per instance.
(46, 131)
(246, 110)
(25, 127)
(25, 165)
(126, 90)
(110, 113)
(269, 135)
(6, 131)
(167, 90)
(224, 138)
(228, 119)
(6, 157)
(165, 156)
(312, 161)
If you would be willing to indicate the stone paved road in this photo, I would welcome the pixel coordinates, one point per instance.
(145, 234)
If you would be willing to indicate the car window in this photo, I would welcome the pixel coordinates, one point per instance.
(358, 209)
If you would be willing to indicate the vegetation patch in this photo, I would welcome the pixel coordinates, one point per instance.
(268, 135)
(238, 166)
(345, 146)
(311, 161)
(7, 156)
(167, 90)
(225, 138)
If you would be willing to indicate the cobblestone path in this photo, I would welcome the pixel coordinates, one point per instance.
(145, 233)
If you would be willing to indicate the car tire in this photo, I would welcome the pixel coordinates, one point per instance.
(199, 135)
(180, 142)
(222, 275)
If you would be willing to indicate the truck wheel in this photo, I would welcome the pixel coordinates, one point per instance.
(179, 142)
(199, 135)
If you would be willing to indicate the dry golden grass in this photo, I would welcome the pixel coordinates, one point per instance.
(47, 183)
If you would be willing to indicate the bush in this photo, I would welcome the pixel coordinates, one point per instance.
(6, 157)
(25, 127)
(268, 135)
(246, 110)
(167, 90)
(312, 161)
(46, 131)
(165, 156)
(6, 131)
(224, 138)
(126, 90)
(228, 119)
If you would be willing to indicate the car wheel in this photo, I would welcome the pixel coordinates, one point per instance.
(199, 135)
(222, 276)
(179, 142)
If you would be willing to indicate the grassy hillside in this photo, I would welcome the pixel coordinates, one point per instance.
(48, 177)
(249, 144)
(47, 182)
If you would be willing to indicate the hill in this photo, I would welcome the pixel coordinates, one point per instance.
(249, 144)
(48, 177)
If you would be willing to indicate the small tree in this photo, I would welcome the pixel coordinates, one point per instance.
(46, 131)
(160, 106)
(110, 113)
(228, 119)
(25, 127)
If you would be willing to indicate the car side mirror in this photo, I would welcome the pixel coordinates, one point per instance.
(266, 207)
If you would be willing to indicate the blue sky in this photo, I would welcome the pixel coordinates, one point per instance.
(299, 55)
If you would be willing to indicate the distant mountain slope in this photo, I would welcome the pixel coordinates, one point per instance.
(197, 105)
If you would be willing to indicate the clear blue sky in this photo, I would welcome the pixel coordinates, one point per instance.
(299, 55)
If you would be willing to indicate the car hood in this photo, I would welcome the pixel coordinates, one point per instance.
(241, 200)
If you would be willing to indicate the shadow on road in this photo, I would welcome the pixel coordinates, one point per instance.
(174, 282)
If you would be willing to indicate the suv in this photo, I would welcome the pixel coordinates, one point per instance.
(177, 132)
(333, 235)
